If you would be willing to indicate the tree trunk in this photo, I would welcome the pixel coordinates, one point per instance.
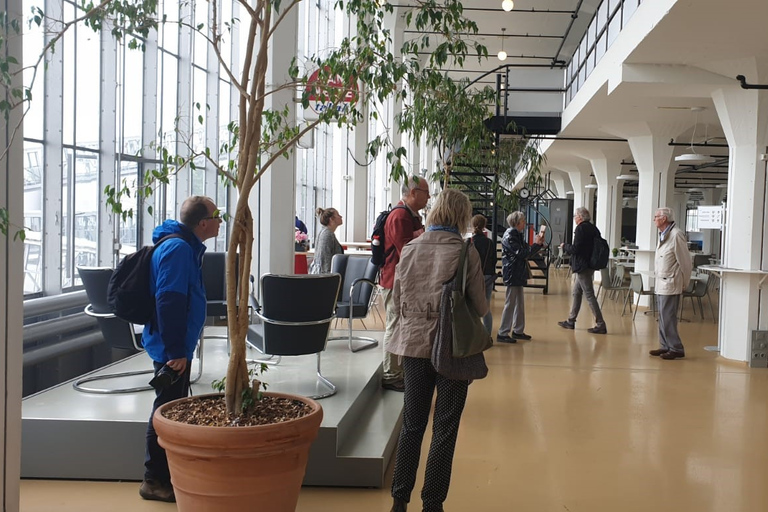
(240, 248)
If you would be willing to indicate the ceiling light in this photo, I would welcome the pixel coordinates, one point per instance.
(569, 193)
(695, 189)
(591, 183)
(694, 158)
(502, 55)
(721, 185)
(628, 177)
(507, 5)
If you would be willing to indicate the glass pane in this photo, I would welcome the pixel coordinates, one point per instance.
(200, 51)
(33, 217)
(226, 43)
(88, 84)
(600, 48)
(86, 210)
(630, 7)
(128, 228)
(167, 97)
(602, 15)
(170, 29)
(67, 164)
(32, 46)
(613, 29)
(199, 91)
(133, 80)
(68, 76)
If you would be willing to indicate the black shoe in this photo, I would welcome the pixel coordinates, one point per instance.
(567, 324)
(157, 491)
(658, 351)
(399, 505)
(501, 338)
(598, 330)
(673, 355)
(521, 336)
(395, 385)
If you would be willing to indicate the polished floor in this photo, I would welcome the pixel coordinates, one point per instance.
(569, 422)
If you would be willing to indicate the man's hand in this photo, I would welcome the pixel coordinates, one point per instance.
(178, 365)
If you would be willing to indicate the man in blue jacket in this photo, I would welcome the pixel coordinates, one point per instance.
(171, 338)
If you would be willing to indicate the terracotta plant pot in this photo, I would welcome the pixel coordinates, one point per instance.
(238, 468)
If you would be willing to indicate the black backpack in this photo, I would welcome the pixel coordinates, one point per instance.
(600, 252)
(378, 256)
(128, 291)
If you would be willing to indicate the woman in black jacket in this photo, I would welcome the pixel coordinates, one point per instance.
(487, 250)
(515, 253)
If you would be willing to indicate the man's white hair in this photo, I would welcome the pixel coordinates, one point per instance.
(666, 212)
(583, 213)
(410, 183)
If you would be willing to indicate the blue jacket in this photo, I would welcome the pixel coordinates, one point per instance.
(177, 284)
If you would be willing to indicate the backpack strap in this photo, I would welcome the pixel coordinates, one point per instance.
(391, 249)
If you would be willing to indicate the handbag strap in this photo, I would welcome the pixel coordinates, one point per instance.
(461, 271)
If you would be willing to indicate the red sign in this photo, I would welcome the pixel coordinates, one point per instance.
(318, 97)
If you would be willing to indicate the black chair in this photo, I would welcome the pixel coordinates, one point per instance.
(358, 276)
(214, 271)
(296, 314)
(119, 334)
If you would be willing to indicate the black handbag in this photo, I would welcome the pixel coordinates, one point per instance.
(454, 368)
(469, 334)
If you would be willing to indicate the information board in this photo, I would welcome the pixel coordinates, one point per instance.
(710, 217)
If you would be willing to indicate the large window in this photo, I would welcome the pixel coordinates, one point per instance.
(101, 134)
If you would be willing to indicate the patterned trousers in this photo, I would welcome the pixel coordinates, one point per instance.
(421, 379)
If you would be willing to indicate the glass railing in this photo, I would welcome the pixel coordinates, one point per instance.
(610, 18)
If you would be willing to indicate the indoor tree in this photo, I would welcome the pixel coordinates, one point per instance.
(365, 61)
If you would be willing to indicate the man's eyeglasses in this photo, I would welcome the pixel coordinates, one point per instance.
(216, 216)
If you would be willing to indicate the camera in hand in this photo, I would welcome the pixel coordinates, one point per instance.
(164, 378)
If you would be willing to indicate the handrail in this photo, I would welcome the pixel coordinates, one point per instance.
(53, 303)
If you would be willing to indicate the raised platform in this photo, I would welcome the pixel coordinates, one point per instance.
(72, 435)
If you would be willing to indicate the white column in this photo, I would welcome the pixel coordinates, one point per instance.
(273, 200)
(608, 214)
(582, 197)
(653, 156)
(356, 222)
(744, 117)
(11, 284)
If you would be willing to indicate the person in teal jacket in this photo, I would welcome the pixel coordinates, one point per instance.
(176, 281)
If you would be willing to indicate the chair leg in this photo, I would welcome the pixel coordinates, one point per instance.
(200, 353)
(711, 309)
(78, 384)
(637, 305)
(330, 385)
(701, 308)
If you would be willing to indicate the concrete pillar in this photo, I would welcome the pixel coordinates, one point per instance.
(744, 117)
(608, 214)
(579, 175)
(12, 281)
(273, 199)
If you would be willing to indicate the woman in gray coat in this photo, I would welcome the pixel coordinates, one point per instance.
(326, 245)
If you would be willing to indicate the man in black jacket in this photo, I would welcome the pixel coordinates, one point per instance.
(583, 276)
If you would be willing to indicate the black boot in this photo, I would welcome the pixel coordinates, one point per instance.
(399, 505)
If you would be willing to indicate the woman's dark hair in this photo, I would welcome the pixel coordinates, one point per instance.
(478, 223)
(325, 215)
(193, 210)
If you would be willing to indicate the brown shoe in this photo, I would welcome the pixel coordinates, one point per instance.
(658, 351)
(157, 491)
(673, 355)
(597, 330)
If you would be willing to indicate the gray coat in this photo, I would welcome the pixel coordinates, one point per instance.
(326, 247)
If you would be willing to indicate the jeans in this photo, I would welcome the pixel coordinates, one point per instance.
(155, 461)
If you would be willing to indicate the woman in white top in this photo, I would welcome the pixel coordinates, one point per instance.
(326, 245)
